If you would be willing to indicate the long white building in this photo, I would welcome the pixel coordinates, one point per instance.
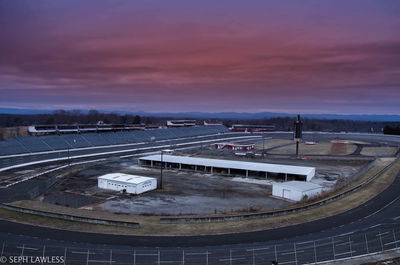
(129, 183)
(230, 167)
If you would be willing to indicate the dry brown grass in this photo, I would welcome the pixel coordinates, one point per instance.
(379, 151)
(323, 148)
(269, 143)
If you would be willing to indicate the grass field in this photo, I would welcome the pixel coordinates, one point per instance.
(323, 148)
(379, 151)
(270, 143)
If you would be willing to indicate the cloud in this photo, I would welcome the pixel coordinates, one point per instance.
(79, 56)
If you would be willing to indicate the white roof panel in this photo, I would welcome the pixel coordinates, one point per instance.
(254, 166)
(122, 177)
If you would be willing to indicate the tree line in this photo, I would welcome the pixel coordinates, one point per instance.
(394, 130)
(281, 123)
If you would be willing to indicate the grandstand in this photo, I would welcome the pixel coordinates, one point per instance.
(31, 144)
(252, 128)
(181, 123)
(75, 128)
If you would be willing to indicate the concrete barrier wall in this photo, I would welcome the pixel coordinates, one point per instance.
(70, 217)
(205, 219)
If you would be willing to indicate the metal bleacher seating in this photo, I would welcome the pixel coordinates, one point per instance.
(76, 140)
(142, 136)
(12, 146)
(29, 144)
(178, 132)
(167, 132)
(128, 137)
(96, 139)
(56, 142)
(34, 143)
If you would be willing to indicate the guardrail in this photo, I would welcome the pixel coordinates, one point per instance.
(69, 217)
(239, 217)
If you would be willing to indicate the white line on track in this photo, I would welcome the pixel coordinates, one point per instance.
(375, 226)
(344, 253)
(345, 234)
(231, 259)
(258, 249)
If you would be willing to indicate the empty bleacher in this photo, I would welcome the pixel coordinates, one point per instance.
(12, 146)
(96, 139)
(76, 140)
(56, 142)
(30, 144)
(33, 144)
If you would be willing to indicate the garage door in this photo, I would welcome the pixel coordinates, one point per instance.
(286, 194)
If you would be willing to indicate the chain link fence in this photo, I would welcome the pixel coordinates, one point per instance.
(374, 240)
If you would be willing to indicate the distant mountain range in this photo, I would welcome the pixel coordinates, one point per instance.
(226, 115)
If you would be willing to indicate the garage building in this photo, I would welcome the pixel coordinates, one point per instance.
(128, 183)
(295, 190)
(229, 167)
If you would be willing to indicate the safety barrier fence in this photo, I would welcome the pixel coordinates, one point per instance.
(70, 217)
(351, 245)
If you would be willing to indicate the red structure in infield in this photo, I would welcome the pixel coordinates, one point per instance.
(234, 146)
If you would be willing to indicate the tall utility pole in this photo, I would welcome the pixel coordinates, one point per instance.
(263, 139)
(161, 169)
(69, 157)
(298, 132)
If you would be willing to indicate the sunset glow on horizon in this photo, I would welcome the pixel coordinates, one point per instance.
(210, 56)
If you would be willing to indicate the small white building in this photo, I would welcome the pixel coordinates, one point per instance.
(129, 183)
(295, 190)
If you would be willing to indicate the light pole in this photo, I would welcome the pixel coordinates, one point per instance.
(68, 157)
(298, 132)
(263, 152)
(161, 169)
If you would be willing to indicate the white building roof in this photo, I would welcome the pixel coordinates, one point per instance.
(126, 178)
(301, 186)
(232, 164)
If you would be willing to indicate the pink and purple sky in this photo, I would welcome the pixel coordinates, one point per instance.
(311, 56)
